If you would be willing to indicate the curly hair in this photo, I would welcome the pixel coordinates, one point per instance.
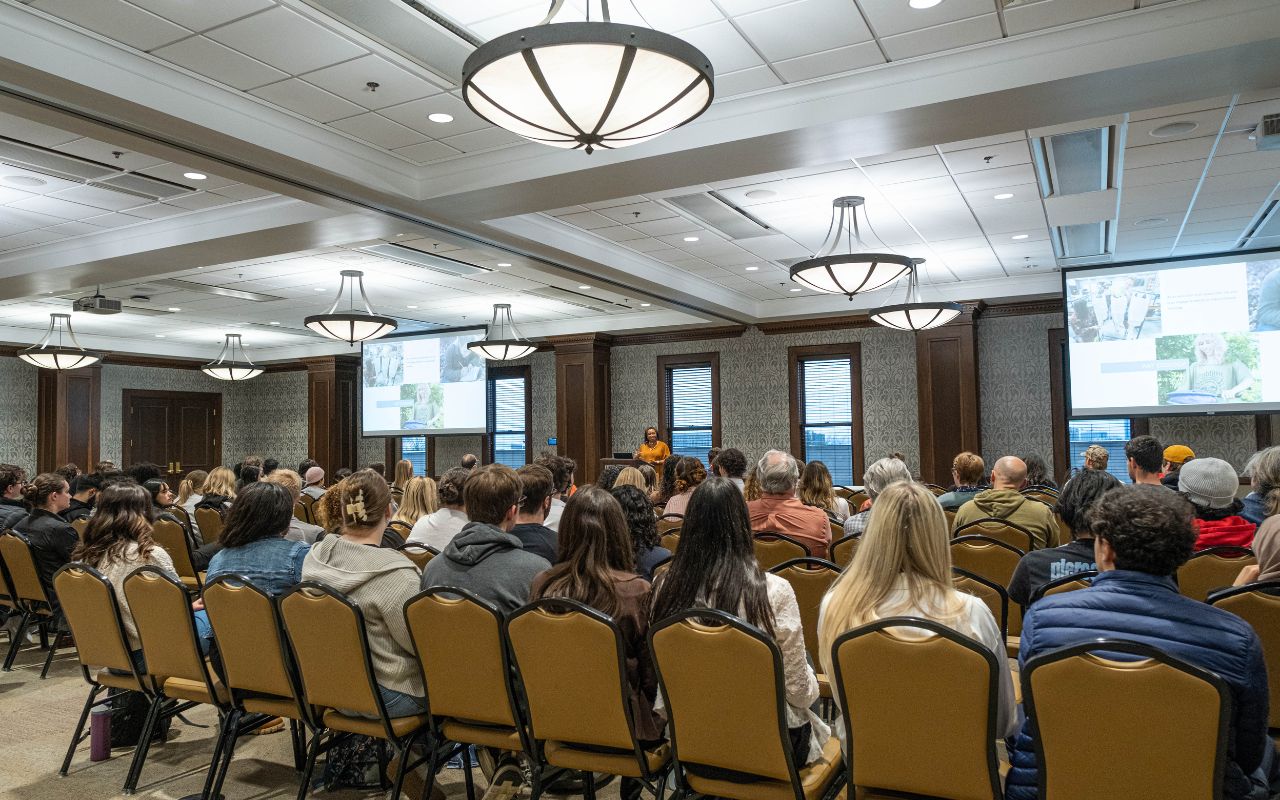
(639, 514)
(608, 476)
(731, 462)
(1149, 527)
(689, 473)
(449, 489)
(668, 486)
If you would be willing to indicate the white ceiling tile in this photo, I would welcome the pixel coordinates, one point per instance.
(804, 27)
(198, 201)
(116, 20)
(745, 80)
(1162, 173)
(1206, 123)
(723, 45)
(987, 197)
(666, 227)
(832, 62)
(617, 201)
(105, 153)
(1259, 182)
(912, 169)
(1234, 226)
(206, 57)
(1257, 161)
(587, 220)
(74, 229)
(984, 141)
(901, 155)
(28, 238)
(1250, 114)
(736, 8)
(310, 101)
(100, 198)
(426, 151)
(378, 130)
(112, 220)
(415, 115)
(1052, 13)
(1245, 211)
(1151, 155)
(242, 191)
(485, 139)
(202, 16)
(942, 37)
(996, 178)
(638, 212)
(349, 80)
(677, 15)
(287, 40)
(8, 195)
(1011, 217)
(1179, 108)
(24, 220)
(174, 173)
(25, 130)
(53, 207)
(919, 190)
(156, 211)
(619, 233)
(989, 157)
(891, 17)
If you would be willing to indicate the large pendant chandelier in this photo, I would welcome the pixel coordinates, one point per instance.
(915, 315)
(351, 326)
(502, 342)
(227, 367)
(852, 272)
(47, 354)
(587, 84)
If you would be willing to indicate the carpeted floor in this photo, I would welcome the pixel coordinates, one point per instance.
(37, 718)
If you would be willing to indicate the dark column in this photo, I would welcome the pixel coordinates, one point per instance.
(583, 420)
(947, 380)
(68, 415)
(331, 410)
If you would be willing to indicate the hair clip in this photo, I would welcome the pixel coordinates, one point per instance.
(355, 509)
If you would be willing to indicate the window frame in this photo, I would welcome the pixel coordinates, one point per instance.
(490, 435)
(795, 357)
(665, 365)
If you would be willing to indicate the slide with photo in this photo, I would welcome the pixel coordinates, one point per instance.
(1177, 338)
(415, 385)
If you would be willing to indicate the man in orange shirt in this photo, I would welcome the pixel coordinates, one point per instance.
(778, 509)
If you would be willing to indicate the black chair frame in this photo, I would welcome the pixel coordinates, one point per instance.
(960, 531)
(1003, 592)
(29, 611)
(1266, 587)
(1087, 576)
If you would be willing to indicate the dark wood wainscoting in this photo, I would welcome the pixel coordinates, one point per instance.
(68, 418)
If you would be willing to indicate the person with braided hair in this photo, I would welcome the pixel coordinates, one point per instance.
(377, 579)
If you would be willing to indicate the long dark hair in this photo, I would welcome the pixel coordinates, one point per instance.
(261, 511)
(668, 486)
(1038, 471)
(123, 513)
(594, 541)
(638, 512)
(1079, 495)
(715, 565)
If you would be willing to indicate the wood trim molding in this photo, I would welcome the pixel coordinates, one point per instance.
(683, 360)
(1025, 308)
(1058, 403)
(683, 335)
(852, 351)
(816, 324)
(498, 373)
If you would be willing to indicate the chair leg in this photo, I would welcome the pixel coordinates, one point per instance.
(313, 752)
(535, 777)
(589, 784)
(403, 753)
(57, 637)
(228, 750)
(144, 744)
(467, 776)
(299, 743)
(19, 636)
(78, 736)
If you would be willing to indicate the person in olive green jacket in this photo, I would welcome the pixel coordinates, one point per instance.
(1004, 501)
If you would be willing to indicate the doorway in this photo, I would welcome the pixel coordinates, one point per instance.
(180, 431)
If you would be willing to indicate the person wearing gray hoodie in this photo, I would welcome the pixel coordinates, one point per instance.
(485, 558)
(377, 580)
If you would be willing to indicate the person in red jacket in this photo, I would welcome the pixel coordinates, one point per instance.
(1211, 484)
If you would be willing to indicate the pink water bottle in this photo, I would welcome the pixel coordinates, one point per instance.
(100, 734)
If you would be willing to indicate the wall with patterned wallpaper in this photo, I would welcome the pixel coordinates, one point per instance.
(1013, 383)
(542, 372)
(18, 434)
(755, 395)
(1231, 437)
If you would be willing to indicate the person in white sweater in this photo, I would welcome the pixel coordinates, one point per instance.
(902, 568)
(379, 581)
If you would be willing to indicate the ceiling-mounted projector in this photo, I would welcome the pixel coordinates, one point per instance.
(98, 304)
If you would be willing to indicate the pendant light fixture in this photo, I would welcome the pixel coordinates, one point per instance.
(502, 342)
(227, 367)
(915, 315)
(584, 85)
(47, 354)
(852, 272)
(351, 326)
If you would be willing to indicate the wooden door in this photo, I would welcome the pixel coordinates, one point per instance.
(180, 431)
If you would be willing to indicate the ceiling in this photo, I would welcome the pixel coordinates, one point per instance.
(929, 114)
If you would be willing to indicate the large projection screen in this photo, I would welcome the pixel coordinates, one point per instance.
(1181, 337)
(423, 384)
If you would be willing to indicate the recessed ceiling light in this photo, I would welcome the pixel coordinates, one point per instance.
(760, 194)
(318, 288)
(584, 287)
(159, 335)
(922, 4)
(174, 309)
(691, 238)
(1019, 237)
(645, 305)
(1174, 129)
(796, 289)
(411, 306)
(194, 176)
(23, 180)
(1004, 196)
(504, 263)
(439, 117)
(752, 269)
(273, 322)
(1150, 222)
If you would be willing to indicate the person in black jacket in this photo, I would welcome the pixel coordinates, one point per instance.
(13, 479)
(51, 537)
(84, 490)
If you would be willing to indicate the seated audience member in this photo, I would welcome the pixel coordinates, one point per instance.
(269, 465)
(630, 476)
(816, 490)
(712, 455)
(298, 531)
(1041, 566)
(650, 477)
(404, 471)
(778, 510)
(643, 527)
(689, 473)
(379, 468)
(378, 580)
(51, 537)
(103, 467)
(218, 491)
(1254, 506)
(878, 477)
(254, 543)
(342, 473)
(967, 473)
(249, 473)
(751, 484)
(83, 490)
(731, 464)
(902, 568)
(666, 481)
(535, 502)
(1265, 473)
(438, 528)
(161, 498)
(118, 541)
(1210, 484)
(13, 479)
(1038, 472)
(143, 472)
(469, 461)
(1004, 501)
(562, 469)
(1175, 457)
(597, 569)
(1142, 534)
(313, 482)
(715, 567)
(1144, 457)
(419, 500)
(1096, 457)
(609, 476)
(69, 472)
(190, 491)
(485, 558)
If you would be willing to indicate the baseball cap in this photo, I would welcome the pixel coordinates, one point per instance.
(1178, 454)
(1209, 482)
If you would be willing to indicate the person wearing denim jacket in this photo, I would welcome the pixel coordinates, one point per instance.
(253, 540)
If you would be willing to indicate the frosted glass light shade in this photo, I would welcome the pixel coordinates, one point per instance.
(916, 316)
(850, 273)
(351, 327)
(226, 367)
(59, 357)
(502, 342)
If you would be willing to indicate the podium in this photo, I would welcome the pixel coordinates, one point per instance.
(621, 462)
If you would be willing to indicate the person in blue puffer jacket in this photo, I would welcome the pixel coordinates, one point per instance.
(1142, 534)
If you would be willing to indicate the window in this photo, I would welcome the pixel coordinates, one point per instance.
(1110, 433)
(689, 403)
(509, 428)
(826, 419)
(414, 448)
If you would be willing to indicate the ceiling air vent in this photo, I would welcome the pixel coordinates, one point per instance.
(204, 288)
(143, 186)
(714, 211)
(1265, 232)
(417, 258)
(1086, 241)
(51, 162)
(1268, 133)
(576, 300)
(1077, 162)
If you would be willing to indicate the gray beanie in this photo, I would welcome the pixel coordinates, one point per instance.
(1209, 482)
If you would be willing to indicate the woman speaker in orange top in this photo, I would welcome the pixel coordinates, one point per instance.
(651, 451)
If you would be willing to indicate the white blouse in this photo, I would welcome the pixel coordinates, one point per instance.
(438, 528)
